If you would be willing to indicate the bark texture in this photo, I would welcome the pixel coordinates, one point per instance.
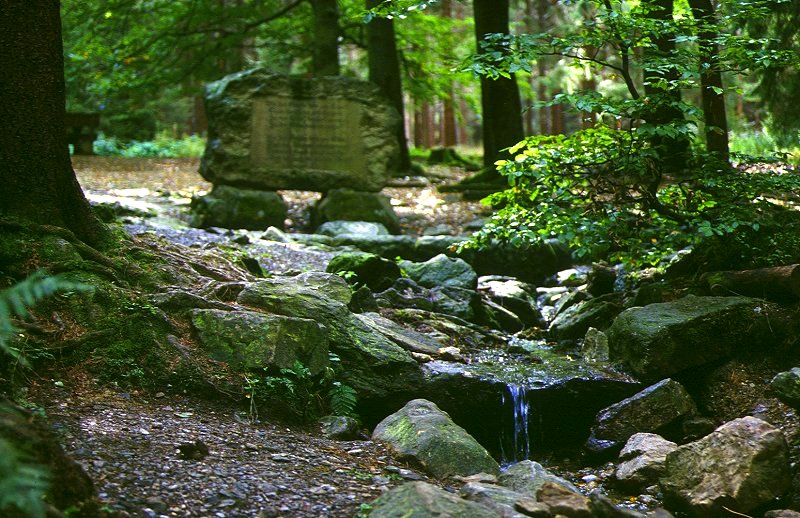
(500, 102)
(38, 183)
(384, 71)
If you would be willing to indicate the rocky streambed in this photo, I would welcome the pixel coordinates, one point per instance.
(599, 393)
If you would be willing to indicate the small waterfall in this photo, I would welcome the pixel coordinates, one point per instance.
(521, 441)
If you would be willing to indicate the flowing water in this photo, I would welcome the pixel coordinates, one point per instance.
(520, 441)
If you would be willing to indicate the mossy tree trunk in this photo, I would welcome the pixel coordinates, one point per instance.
(37, 182)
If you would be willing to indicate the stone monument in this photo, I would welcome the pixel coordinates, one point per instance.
(272, 132)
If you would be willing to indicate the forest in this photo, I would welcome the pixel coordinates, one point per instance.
(400, 258)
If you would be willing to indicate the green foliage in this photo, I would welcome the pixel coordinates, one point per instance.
(602, 192)
(305, 395)
(762, 144)
(22, 484)
(163, 146)
(16, 302)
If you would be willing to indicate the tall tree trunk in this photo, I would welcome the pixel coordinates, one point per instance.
(500, 102)
(713, 98)
(326, 37)
(449, 135)
(38, 183)
(671, 149)
(384, 71)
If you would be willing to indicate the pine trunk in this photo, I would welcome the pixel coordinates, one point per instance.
(38, 183)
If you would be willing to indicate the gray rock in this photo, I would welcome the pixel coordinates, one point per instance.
(232, 207)
(360, 228)
(782, 513)
(650, 410)
(495, 316)
(180, 300)
(408, 339)
(642, 460)
(249, 340)
(451, 300)
(275, 132)
(423, 434)
(787, 386)
(498, 498)
(442, 270)
(573, 322)
(374, 271)
(352, 205)
(340, 427)
(663, 339)
(516, 296)
(405, 293)
(533, 264)
(528, 477)
(595, 346)
(741, 465)
(426, 500)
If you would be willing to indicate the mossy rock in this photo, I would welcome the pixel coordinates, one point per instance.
(231, 207)
(663, 339)
(248, 340)
(380, 371)
(350, 205)
(420, 499)
(372, 270)
(423, 434)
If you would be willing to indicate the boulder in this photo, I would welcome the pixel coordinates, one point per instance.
(740, 466)
(232, 207)
(595, 346)
(359, 228)
(451, 300)
(516, 296)
(374, 271)
(441, 270)
(653, 409)
(498, 498)
(564, 502)
(408, 339)
(380, 371)
(531, 264)
(528, 477)
(352, 205)
(642, 460)
(423, 499)
(250, 340)
(786, 386)
(573, 322)
(340, 427)
(565, 394)
(405, 293)
(424, 435)
(663, 339)
(274, 132)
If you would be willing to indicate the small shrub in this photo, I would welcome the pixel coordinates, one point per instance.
(163, 146)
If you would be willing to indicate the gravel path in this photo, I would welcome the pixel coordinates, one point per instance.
(129, 445)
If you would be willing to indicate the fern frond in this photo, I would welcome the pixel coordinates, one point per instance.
(16, 301)
(343, 398)
(22, 484)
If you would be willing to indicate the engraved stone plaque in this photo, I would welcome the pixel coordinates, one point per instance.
(319, 134)
(274, 132)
